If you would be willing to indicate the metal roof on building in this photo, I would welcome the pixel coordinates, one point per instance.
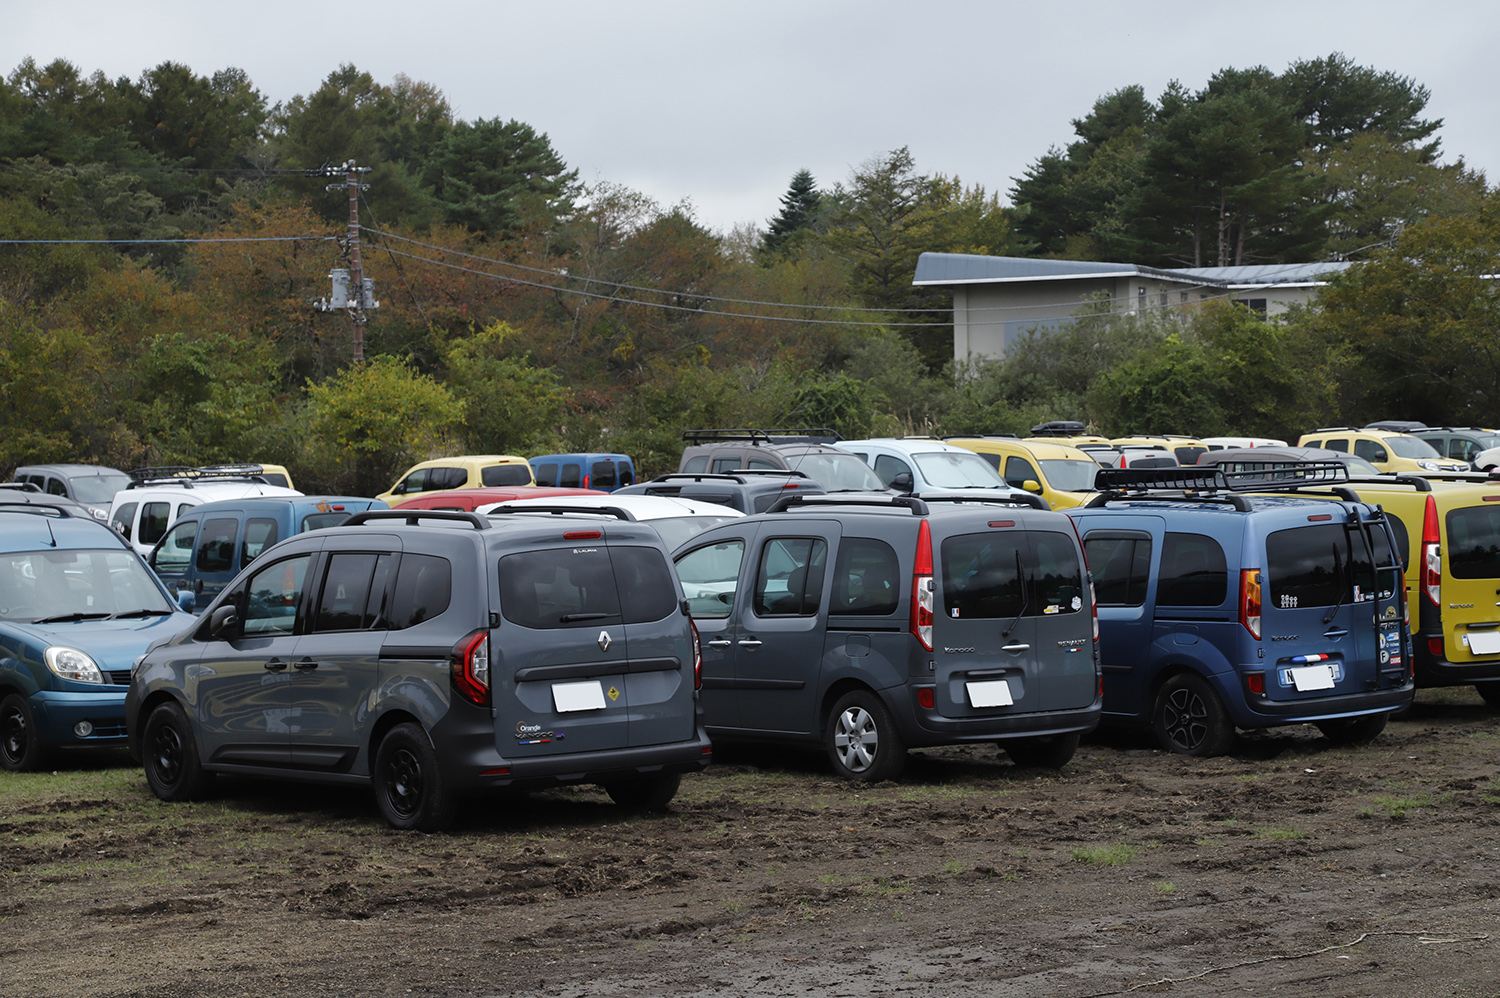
(967, 268)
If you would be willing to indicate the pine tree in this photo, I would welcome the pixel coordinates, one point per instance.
(799, 207)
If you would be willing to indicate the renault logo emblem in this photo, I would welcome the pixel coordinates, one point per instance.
(604, 641)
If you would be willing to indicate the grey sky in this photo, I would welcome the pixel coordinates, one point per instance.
(720, 103)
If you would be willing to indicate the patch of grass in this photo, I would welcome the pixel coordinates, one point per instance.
(1246, 776)
(1111, 855)
(1010, 878)
(953, 868)
(1396, 807)
(886, 888)
(1164, 887)
(1280, 834)
(947, 791)
(1491, 798)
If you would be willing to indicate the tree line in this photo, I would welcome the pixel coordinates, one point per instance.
(524, 311)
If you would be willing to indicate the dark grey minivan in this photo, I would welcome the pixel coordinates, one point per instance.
(876, 624)
(434, 655)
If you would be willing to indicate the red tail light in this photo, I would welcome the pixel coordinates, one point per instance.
(923, 589)
(586, 480)
(471, 668)
(1432, 555)
(1250, 601)
(697, 656)
(1435, 647)
(1256, 684)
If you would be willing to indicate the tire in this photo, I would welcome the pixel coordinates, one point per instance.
(408, 783)
(1354, 730)
(1489, 692)
(169, 755)
(1049, 752)
(21, 749)
(1189, 718)
(862, 740)
(649, 793)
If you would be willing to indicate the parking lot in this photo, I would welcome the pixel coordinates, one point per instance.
(1288, 867)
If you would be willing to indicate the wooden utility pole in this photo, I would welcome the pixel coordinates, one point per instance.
(349, 288)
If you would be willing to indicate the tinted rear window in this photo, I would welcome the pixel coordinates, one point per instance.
(579, 587)
(1321, 565)
(602, 475)
(1474, 542)
(424, 587)
(506, 474)
(1193, 571)
(866, 577)
(1122, 567)
(981, 575)
(645, 583)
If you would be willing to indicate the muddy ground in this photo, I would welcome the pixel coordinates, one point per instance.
(1290, 867)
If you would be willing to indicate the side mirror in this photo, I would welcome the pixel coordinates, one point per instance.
(902, 482)
(224, 624)
(187, 600)
(1031, 485)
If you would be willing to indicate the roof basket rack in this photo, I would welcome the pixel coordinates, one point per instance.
(818, 435)
(185, 475)
(1059, 428)
(1286, 476)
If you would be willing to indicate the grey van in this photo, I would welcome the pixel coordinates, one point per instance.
(432, 656)
(871, 625)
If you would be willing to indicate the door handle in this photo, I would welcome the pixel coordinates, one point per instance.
(1335, 632)
(750, 643)
(720, 643)
(306, 663)
(1015, 649)
(275, 665)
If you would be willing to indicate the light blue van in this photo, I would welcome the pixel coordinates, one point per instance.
(601, 472)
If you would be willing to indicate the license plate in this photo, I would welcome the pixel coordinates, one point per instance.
(1313, 677)
(1484, 642)
(990, 693)
(578, 696)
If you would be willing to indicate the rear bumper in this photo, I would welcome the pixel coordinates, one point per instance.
(927, 728)
(1260, 712)
(1435, 670)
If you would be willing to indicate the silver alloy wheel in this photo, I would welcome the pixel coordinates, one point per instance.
(856, 739)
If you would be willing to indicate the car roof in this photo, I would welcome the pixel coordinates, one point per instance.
(39, 523)
(907, 445)
(73, 470)
(638, 506)
(1308, 454)
(270, 502)
(486, 494)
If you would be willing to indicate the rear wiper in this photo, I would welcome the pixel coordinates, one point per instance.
(1338, 572)
(571, 618)
(143, 612)
(1020, 577)
(64, 617)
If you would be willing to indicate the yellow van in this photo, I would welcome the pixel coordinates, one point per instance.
(1061, 474)
(466, 471)
(1385, 449)
(1185, 448)
(1449, 530)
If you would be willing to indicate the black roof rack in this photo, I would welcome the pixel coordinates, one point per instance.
(812, 435)
(44, 508)
(411, 517)
(1026, 499)
(764, 473)
(980, 436)
(917, 506)
(615, 511)
(1213, 484)
(1059, 428)
(186, 475)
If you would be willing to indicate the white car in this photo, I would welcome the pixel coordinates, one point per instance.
(145, 509)
(676, 520)
(1487, 460)
(923, 464)
(1232, 443)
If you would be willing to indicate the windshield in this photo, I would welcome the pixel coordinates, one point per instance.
(946, 470)
(1411, 447)
(98, 489)
(837, 472)
(676, 530)
(1071, 476)
(42, 585)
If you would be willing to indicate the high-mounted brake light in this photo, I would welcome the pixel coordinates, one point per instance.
(582, 535)
(1250, 601)
(470, 668)
(923, 589)
(1432, 555)
(1002, 523)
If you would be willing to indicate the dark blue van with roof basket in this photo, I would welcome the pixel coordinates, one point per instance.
(1230, 600)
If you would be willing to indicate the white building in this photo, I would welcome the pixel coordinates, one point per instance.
(999, 299)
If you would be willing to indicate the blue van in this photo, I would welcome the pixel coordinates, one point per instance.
(601, 472)
(1229, 600)
(209, 543)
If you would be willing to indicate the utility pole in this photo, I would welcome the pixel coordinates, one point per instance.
(351, 289)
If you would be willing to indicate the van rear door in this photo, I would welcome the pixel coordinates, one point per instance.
(1471, 584)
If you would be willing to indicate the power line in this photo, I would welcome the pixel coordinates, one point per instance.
(133, 242)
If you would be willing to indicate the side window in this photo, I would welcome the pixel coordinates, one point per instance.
(175, 553)
(1018, 471)
(546, 473)
(1370, 451)
(273, 595)
(761, 462)
(414, 482)
(1193, 572)
(216, 545)
(887, 468)
(56, 487)
(981, 575)
(346, 593)
(993, 459)
(154, 518)
(644, 582)
(602, 475)
(790, 578)
(695, 465)
(1058, 576)
(1122, 567)
(1463, 450)
(866, 577)
(571, 476)
(424, 588)
(500, 475)
(124, 518)
(627, 476)
(261, 533)
(710, 575)
(446, 478)
(1339, 445)
(553, 589)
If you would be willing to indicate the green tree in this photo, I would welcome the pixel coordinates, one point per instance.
(511, 406)
(799, 209)
(1338, 101)
(493, 176)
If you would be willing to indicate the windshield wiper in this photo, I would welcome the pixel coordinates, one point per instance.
(1338, 572)
(570, 618)
(1020, 577)
(143, 612)
(64, 617)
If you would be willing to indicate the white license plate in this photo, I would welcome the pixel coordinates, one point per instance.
(1313, 677)
(1484, 642)
(990, 693)
(578, 696)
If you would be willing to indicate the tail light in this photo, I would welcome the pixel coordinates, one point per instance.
(923, 589)
(471, 668)
(586, 479)
(1432, 555)
(1250, 601)
(697, 656)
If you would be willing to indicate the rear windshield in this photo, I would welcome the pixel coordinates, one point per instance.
(982, 575)
(496, 475)
(1474, 542)
(1323, 565)
(580, 587)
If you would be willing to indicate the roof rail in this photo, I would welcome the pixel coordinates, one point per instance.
(1059, 428)
(983, 436)
(1025, 499)
(817, 435)
(916, 505)
(768, 473)
(1337, 429)
(411, 517)
(615, 511)
(44, 508)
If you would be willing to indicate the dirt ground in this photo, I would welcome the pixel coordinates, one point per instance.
(1289, 868)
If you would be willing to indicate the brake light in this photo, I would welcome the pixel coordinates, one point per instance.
(1250, 601)
(1432, 555)
(697, 656)
(1435, 647)
(471, 668)
(1256, 683)
(923, 589)
(586, 480)
(926, 698)
(582, 535)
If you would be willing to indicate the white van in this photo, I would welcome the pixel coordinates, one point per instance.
(156, 497)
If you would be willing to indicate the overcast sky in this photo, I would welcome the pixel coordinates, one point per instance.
(719, 103)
